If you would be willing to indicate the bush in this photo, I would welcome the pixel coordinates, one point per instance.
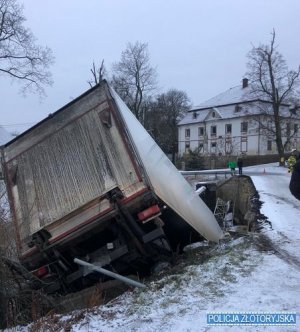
(191, 161)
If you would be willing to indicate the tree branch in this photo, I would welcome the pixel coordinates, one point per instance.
(20, 57)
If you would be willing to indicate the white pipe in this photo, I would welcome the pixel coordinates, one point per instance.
(200, 190)
(109, 273)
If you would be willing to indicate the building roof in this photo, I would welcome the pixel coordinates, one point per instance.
(234, 95)
(225, 112)
(225, 105)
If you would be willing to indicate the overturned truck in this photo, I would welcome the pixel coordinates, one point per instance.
(90, 182)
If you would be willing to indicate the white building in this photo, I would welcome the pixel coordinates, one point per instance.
(233, 123)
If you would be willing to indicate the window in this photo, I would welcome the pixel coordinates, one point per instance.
(228, 129)
(187, 133)
(195, 114)
(201, 131)
(228, 146)
(201, 146)
(244, 127)
(296, 127)
(213, 131)
(187, 146)
(213, 147)
(288, 129)
(269, 145)
(244, 144)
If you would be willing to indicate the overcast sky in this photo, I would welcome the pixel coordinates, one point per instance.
(197, 46)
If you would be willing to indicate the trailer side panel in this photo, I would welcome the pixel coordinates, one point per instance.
(66, 166)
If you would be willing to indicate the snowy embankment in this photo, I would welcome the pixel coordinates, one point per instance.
(257, 273)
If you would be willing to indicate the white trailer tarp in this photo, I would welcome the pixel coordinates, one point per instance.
(168, 184)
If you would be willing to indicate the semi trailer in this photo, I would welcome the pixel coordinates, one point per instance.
(89, 182)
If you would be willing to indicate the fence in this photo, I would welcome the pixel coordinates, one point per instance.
(217, 162)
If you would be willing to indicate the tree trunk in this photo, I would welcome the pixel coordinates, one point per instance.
(278, 135)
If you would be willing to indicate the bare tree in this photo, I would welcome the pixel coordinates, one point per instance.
(133, 77)
(229, 146)
(167, 110)
(20, 57)
(275, 86)
(98, 74)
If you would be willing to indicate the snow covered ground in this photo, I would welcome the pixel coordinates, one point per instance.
(254, 273)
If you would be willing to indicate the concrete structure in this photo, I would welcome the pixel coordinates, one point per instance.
(234, 123)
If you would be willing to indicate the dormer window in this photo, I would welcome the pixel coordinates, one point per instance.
(237, 108)
(195, 114)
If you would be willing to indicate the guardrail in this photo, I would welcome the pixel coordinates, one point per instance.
(217, 172)
(214, 172)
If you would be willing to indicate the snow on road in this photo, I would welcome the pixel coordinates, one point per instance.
(238, 277)
(280, 206)
(255, 273)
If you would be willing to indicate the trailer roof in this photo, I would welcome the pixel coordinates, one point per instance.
(51, 115)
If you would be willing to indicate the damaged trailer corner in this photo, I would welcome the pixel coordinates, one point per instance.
(90, 182)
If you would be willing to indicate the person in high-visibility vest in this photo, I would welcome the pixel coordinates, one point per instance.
(232, 166)
(292, 160)
(295, 179)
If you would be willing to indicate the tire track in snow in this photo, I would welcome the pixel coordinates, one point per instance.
(283, 199)
(264, 243)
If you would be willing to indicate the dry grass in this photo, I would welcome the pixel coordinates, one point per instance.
(54, 323)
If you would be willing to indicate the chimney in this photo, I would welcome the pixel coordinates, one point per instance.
(245, 83)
